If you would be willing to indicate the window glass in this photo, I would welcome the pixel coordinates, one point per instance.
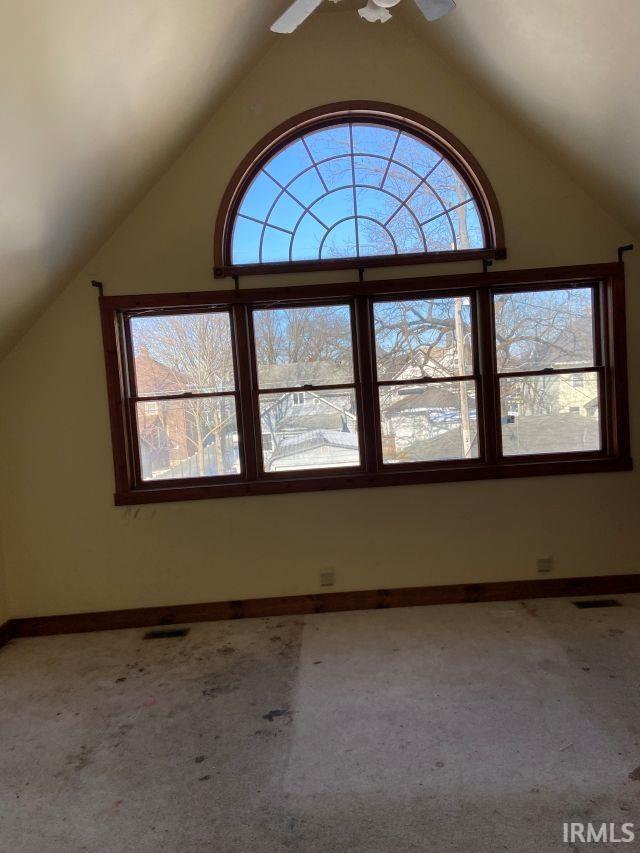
(550, 414)
(303, 346)
(306, 347)
(366, 386)
(181, 353)
(423, 337)
(354, 190)
(546, 334)
(319, 432)
(542, 329)
(185, 354)
(188, 438)
(432, 422)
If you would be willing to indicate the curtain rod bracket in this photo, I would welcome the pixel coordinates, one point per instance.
(622, 250)
(98, 285)
(486, 263)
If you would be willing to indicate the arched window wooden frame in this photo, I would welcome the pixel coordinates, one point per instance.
(331, 115)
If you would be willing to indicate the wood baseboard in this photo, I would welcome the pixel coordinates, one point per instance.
(331, 602)
(6, 633)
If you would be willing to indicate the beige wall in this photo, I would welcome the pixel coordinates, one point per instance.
(69, 549)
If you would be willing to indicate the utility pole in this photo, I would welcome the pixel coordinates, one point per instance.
(464, 400)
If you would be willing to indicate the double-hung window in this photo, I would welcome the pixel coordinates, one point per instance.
(182, 398)
(426, 377)
(305, 387)
(550, 371)
(241, 392)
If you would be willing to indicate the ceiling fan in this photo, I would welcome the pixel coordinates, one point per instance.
(375, 10)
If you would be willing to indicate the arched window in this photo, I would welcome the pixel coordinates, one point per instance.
(356, 186)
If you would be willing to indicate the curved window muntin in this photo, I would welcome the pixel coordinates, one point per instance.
(402, 204)
(450, 152)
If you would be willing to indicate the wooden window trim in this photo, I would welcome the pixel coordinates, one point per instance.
(609, 320)
(434, 134)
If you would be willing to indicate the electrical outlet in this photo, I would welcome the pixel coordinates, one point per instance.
(544, 564)
(327, 578)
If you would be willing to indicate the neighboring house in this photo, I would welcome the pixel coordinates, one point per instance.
(576, 394)
(568, 393)
(436, 362)
(164, 428)
(412, 415)
(178, 438)
(309, 428)
(328, 448)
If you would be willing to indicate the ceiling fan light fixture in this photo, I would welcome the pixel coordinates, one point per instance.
(372, 12)
(375, 10)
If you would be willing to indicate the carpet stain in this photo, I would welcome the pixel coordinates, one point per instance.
(278, 712)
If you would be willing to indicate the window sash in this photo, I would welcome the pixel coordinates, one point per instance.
(260, 391)
(599, 337)
(134, 399)
(472, 378)
(609, 355)
(602, 429)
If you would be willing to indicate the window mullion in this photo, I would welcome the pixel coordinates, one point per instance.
(489, 409)
(602, 357)
(367, 392)
(248, 406)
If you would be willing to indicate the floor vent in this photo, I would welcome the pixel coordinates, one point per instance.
(597, 602)
(166, 633)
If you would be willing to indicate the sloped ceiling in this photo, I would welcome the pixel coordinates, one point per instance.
(99, 96)
(569, 71)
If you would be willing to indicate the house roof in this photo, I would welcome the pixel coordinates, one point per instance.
(431, 396)
(301, 443)
(537, 433)
(297, 373)
(329, 409)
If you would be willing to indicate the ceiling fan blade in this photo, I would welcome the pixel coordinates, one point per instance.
(434, 9)
(295, 15)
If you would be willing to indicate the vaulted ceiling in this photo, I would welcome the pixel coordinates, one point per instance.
(99, 96)
(569, 72)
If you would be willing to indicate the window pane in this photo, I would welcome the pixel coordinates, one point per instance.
(550, 414)
(303, 346)
(547, 328)
(385, 187)
(319, 430)
(422, 423)
(188, 438)
(178, 353)
(423, 337)
(467, 226)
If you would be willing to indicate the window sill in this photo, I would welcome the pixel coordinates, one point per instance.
(360, 480)
(362, 263)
